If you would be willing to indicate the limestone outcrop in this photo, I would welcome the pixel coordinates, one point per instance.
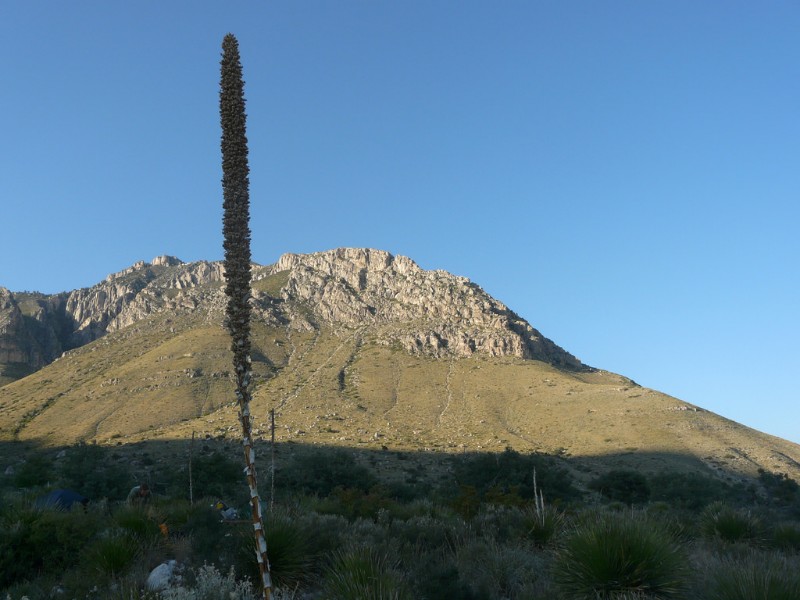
(428, 312)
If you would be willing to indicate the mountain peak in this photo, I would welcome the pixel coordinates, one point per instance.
(425, 312)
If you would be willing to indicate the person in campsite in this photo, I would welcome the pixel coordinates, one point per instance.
(139, 494)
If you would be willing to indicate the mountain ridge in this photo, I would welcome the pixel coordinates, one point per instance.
(346, 285)
(355, 348)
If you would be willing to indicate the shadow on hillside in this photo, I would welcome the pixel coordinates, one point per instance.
(315, 470)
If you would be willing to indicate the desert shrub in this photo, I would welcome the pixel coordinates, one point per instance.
(35, 542)
(509, 476)
(202, 525)
(291, 556)
(213, 476)
(623, 485)
(325, 532)
(497, 571)
(319, 472)
(688, 490)
(610, 554)
(36, 471)
(139, 521)
(426, 532)
(467, 502)
(729, 524)
(782, 490)
(435, 576)
(111, 555)
(86, 470)
(786, 536)
(768, 577)
(542, 524)
(209, 584)
(362, 573)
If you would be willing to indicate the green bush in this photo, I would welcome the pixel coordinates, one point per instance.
(786, 536)
(497, 571)
(542, 524)
(111, 555)
(436, 577)
(363, 574)
(213, 476)
(36, 471)
(610, 554)
(783, 491)
(757, 576)
(291, 556)
(508, 477)
(35, 542)
(319, 472)
(87, 471)
(721, 521)
(688, 490)
(141, 522)
(622, 485)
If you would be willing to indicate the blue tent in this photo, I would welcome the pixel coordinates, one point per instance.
(60, 499)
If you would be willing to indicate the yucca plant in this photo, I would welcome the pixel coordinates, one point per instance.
(112, 555)
(139, 521)
(609, 554)
(729, 524)
(756, 576)
(786, 536)
(291, 557)
(236, 232)
(362, 574)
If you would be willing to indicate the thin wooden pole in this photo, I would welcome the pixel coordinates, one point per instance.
(272, 469)
(191, 451)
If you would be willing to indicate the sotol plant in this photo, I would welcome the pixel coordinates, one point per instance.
(236, 231)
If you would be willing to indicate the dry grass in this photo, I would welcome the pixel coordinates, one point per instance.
(167, 377)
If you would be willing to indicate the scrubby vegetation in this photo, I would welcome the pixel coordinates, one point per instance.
(474, 527)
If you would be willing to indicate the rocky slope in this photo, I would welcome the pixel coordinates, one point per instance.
(430, 312)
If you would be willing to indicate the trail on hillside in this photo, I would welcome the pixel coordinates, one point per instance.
(299, 387)
(448, 394)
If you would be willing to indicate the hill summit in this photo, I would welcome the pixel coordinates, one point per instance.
(430, 312)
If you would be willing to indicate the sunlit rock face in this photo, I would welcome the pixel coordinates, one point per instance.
(426, 312)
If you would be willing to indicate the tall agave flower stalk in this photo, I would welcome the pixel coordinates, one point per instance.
(236, 230)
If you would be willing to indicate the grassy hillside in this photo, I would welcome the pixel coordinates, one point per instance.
(168, 376)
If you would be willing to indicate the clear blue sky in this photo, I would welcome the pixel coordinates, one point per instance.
(622, 174)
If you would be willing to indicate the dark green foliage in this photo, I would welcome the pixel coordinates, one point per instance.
(319, 472)
(613, 553)
(87, 470)
(783, 491)
(786, 536)
(621, 485)
(138, 522)
(111, 555)
(291, 554)
(731, 524)
(363, 574)
(688, 490)
(753, 577)
(37, 470)
(438, 578)
(215, 476)
(542, 524)
(507, 478)
(35, 542)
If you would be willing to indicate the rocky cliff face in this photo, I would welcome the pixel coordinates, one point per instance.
(429, 312)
